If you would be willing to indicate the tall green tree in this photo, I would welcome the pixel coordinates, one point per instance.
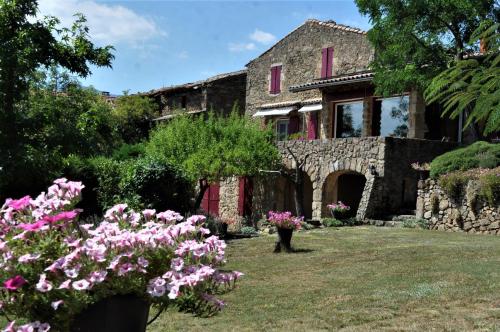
(27, 44)
(209, 149)
(414, 40)
(134, 115)
(473, 84)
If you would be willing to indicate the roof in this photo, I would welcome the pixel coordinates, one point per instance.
(197, 84)
(291, 103)
(365, 76)
(330, 23)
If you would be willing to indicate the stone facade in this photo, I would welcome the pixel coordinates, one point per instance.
(469, 214)
(299, 53)
(383, 162)
(219, 94)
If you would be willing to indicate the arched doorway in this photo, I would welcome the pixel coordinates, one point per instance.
(345, 186)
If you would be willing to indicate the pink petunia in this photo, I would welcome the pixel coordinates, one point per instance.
(19, 204)
(14, 283)
(55, 305)
(81, 284)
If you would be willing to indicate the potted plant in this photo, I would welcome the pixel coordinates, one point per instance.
(339, 210)
(102, 277)
(285, 224)
(423, 170)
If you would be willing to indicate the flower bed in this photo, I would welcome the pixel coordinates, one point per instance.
(53, 268)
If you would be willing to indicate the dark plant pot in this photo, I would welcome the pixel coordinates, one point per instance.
(284, 239)
(423, 174)
(120, 313)
(340, 215)
(223, 229)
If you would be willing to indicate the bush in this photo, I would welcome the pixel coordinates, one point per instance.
(129, 151)
(141, 183)
(479, 154)
(332, 222)
(416, 223)
(155, 184)
(248, 230)
(489, 186)
(453, 184)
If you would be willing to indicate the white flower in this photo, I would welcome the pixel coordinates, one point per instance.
(55, 305)
(43, 285)
(81, 284)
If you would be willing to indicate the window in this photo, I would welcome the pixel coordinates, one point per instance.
(327, 62)
(282, 129)
(390, 117)
(275, 86)
(348, 119)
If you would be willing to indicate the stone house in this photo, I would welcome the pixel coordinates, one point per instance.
(315, 87)
(218, 93)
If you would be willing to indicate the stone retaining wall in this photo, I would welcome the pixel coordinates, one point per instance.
(469, 214)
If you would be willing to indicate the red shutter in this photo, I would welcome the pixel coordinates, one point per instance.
(324, 63)
(278, 80)
(273, 80)
(205, 200)
(312, 125)
(293, 125)
(210, 202)
(329, 66)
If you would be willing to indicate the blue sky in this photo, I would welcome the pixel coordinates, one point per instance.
(160, 43)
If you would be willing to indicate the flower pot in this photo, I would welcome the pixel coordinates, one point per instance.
(284, 239)
(340, 215)
(119, 313)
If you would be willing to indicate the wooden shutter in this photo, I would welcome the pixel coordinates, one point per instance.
(329, 67)
(277, 84)
(324, 63)
(213, 206)
(312, 125)
(273, 80)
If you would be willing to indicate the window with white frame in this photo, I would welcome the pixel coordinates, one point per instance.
(282, 129)
(348, 119)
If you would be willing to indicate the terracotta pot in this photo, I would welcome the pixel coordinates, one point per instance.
(284, 239)
(119, 313)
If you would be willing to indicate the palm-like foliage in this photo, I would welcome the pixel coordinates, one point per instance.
(472, 84)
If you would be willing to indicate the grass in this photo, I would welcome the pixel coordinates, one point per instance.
(359, 279)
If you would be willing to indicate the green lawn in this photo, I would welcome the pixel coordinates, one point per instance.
(359, 279)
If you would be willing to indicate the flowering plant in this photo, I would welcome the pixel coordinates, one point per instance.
(421, 167)
(338, 207)
(52, 267)
(285, 220)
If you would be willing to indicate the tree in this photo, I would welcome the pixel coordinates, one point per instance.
(414, 40)
(209, 149)
(29, 43)
(473, 84)
(59, 118)
(133, 115)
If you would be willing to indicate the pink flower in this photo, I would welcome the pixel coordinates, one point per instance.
(148, 213)
(177, 264)
(65, 284)
(28, 258)
(62, 216)
(43, 285)
(169, 217)
(55, 305)
(14, 283)
(98, 276)
(32, 227)
(19, 204)
(81, 284)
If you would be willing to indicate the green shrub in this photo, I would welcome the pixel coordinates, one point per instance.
(248, 230)
(479, 154)
(489, 187)
(332, 222)
(416, 223)
(453, 184)
(307, 226)
(129, 151)
(153, 183)
(108, 174)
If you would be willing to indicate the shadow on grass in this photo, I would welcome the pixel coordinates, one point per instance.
(298, 251)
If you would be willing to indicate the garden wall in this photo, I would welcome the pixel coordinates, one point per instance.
(468, 213)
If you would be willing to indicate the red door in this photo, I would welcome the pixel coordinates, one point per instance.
(210, 202)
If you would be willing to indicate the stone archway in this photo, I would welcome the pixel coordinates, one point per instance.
(347, 186)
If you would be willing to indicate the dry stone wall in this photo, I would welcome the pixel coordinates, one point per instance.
(468, 214)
